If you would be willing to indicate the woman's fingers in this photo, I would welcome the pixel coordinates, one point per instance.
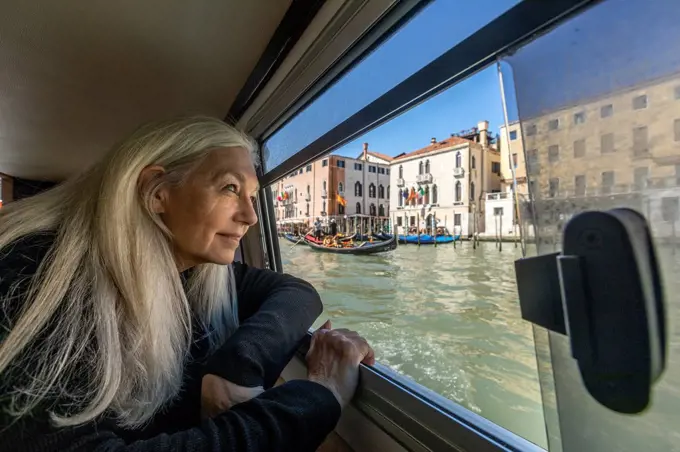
(326, 325)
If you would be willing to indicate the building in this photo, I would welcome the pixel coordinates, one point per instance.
(619, 149)
(447, 181)
(335, 187)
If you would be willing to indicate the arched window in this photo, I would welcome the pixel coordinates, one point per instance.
(341, 187)
(459, 193)
(381, 191)
(307, 212)
(400, 201)
(401, 172)
(421, 168)
(308, 190)
(323, 208)
(427, 195)
(372, 210)
(472, 190)
(388, 192)
(459, 160)
(324, 184)
(341, 209)
(357, 189)
(473, 162)
(371, 191)
(359, 207)
(434, 194)
(427, 166)
(381, 211)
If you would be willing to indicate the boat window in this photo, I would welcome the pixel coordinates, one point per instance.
(592, 63)
(401, 301)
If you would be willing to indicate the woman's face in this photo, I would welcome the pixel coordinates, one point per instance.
(210, 212)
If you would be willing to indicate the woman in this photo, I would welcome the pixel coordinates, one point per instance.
(120, 323)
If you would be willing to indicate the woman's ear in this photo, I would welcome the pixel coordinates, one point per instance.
(148, 180)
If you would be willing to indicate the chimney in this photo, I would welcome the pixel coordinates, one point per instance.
(433, 140)
(365, 151)
(483, 127)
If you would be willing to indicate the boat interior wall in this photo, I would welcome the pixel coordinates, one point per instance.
(77, 75)
(341, 33)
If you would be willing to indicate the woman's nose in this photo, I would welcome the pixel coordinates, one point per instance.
(247, 213)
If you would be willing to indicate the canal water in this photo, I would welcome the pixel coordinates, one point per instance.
(447, 318)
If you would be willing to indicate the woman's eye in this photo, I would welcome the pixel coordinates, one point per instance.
(232, 188)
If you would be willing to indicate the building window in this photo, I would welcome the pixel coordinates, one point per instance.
(434, 194)
(554, 187)
(421, 168)
(323, 208)
(514, 160)
(400, 195)
(606, 111)
(498, 211)
(388, 192)
(640, 176)
(387, 171)
(676, 129)
(607, 182)
(358, 208)
(472, 191)
(427, 167)
(341, 188)
(372, 210)
(340, 163)
(307, 211)
(640, 102)
(371, 191)
(427, 195)
(381, 192)
(308, 189)
(358, 191)
(580, 185)
(474, 162)
(381, 211)
(640, 142)
(607, 143)
(531, 130)
(513, 135)
(579, 148)
(553, 124)
(295, 195)
(553, 153)
(358, 166)
(341, 209)
(308, 168)
(412, 220)
(669, 208)
(401, 172)
(459, 189)
(400, 221)
(324, 162)
(496, 168)
(456, 219)
(580, 117)
(324, 185)
(371, 169)
(381, 170)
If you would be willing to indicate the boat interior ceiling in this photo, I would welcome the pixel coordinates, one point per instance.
(77, 76)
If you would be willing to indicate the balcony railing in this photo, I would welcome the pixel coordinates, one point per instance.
(400, 182)
(459, 171)
(424, 178)
(324, 193)
(308, 197)
(498, 196)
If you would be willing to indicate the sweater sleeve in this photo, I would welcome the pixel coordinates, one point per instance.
(276, 311)
(297, 415)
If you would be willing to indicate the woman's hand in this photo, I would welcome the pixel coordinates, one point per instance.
(333, 360)
(218, 395)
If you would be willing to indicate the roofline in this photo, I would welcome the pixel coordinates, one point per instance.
(454, 147)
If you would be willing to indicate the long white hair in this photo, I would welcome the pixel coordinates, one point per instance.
(107, 308)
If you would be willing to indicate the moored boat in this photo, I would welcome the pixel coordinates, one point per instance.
(363, 248)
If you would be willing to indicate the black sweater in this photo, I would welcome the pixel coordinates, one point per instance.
(275, 312)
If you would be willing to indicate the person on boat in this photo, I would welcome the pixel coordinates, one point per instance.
(334, 227)
(126, 325)
(317, 229)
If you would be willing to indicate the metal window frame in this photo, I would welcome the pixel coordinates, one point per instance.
(514, 28)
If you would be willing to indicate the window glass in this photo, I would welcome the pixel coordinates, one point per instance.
(421, 40)
(445, 317)
(625, 84)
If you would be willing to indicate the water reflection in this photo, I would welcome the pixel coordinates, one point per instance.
(447, 318)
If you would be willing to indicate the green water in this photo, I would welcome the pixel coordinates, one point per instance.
(447, 318)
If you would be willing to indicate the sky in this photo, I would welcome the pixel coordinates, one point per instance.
(613, 45)
(440, 26)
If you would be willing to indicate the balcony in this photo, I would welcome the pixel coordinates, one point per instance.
(458, 172)
(400, 182)
(324, 194)
(424, 178)
(308, 197)
(498, 196)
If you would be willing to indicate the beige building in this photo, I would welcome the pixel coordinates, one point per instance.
(319, 189)
(619, 149)
(447, 181)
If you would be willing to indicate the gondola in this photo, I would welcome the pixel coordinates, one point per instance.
(293, 238)
(363, 249)
(311, 238)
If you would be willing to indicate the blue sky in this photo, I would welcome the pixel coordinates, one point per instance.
(436, 29)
